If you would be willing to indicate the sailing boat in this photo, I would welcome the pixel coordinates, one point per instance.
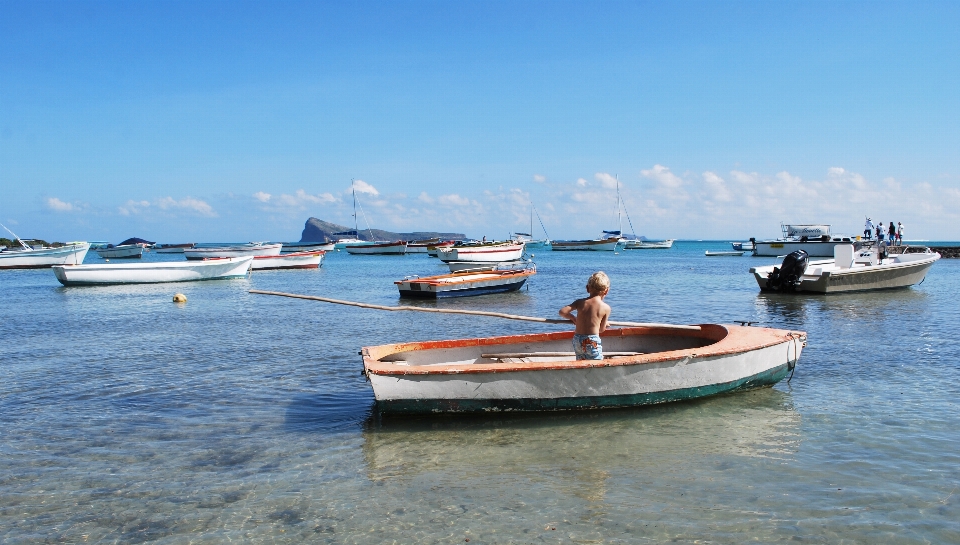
(527, 238)
(29, 257)
(608, 241)
(351, 237)
(633, 242)
(357, 246)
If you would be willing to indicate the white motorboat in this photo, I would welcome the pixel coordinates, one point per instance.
(850, 270)
(496, 252)
(300, 260)
(421, 246)
(601, 245)
(152, 273)
(173, 248)
(398, 247)
(816, 240)
(709, 253)
(539, 372)
(433, 250)
(252, 249)
(123, 251)
(742, 246)
(30, 258)
(648, 244)
(299, 247)
(466, 283)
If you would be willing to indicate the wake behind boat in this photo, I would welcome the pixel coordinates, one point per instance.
(538, 372)
(152, 273)
(242, 250)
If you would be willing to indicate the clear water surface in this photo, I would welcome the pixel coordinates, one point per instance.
(126, 418)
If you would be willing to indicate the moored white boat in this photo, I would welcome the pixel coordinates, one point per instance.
(648, 244)
(298, 247)
(489, 252)
(398, 247)
(421, 246)
(850, 270)
(816, 240)
(742, 246)
(152, 273)
(709, 253)
(299, 260)
(252, 249)
(24, 258)
(433, 250)
(465, 283)
(123, 251)
(538, 372)
(600, 245)
(172, 248)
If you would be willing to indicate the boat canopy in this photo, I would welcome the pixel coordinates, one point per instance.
(612, 233)
(135, 240)
(352, 233)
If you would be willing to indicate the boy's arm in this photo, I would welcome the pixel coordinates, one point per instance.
(567, 311)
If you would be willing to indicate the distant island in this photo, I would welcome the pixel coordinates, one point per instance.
(317, 230)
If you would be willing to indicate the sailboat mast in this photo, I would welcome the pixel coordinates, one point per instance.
(619, 219)
(356, 225)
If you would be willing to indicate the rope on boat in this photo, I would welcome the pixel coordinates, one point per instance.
(470, 312)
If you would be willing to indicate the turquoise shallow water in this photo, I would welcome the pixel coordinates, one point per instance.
(125, 418)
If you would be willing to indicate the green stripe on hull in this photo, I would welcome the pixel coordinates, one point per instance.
(420, 406)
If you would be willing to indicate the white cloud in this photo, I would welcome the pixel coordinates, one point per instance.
(581, 182)
(132, 207)
(316, 199)
(663, 176)
(57, 205)
(425, 198)
(261, 196)
(717, 186)
(453, 200)
(606, 180)
(539, 178)
(361, 186)
(189, 204)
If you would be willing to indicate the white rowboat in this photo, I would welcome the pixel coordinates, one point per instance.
(538, 372)
(300, 260)
(600, 245)
(648, 245)
(378, 248)
(126, 251)
(245, 250)
(298, 247)
(72, 253)
(708, 253)
(489, 253)
(152, 273)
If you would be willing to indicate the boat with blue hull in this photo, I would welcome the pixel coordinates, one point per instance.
(466, 283)
(539, 372)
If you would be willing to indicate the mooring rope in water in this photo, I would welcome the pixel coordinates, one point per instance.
(470, 312)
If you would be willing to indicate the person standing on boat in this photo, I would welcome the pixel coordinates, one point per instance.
(868, 230)
(891, 233)
(879, 231)
(899, 234)
(591, 318)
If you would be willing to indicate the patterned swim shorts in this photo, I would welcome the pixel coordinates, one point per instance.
(587, 347)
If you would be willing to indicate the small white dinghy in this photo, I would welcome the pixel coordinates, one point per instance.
(152, 273)
(252, 249)
(398, 247)
(708, 253)
(485, 252)
(849, 271)
(539, 372)
(300, 260)
(31, 258)
(466, 283)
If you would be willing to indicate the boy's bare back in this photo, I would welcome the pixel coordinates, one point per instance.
(592, 312)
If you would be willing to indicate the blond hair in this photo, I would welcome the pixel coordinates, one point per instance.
(598, 283)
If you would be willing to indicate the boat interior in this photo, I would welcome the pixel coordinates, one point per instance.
(547, 347)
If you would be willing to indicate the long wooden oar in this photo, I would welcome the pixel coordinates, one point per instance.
(471, 312)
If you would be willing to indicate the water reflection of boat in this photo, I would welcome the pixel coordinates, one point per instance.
(761, 423)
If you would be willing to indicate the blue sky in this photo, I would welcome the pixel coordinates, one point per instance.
(232, 121)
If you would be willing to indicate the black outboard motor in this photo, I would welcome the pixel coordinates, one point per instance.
(786, 277)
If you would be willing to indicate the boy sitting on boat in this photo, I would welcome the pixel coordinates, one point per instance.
(590, 319)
